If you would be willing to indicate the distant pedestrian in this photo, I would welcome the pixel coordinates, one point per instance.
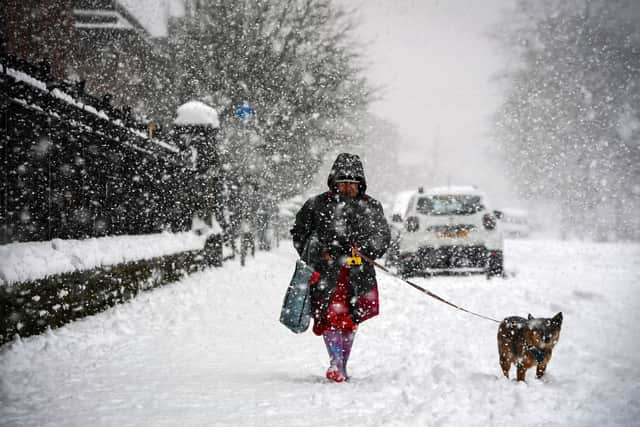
(247, 240)
(335, 225)
(246, 220)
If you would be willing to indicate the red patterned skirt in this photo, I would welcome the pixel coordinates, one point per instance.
(338, 314)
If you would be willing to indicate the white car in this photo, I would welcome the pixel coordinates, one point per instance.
(450, 229)
(515, 222)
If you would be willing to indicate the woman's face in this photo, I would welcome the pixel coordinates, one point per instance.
(349, 189)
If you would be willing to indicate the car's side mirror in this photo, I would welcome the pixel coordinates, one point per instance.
(489, 222)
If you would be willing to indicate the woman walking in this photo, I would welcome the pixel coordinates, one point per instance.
(329, 232)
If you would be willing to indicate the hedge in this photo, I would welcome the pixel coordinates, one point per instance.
(29, 308)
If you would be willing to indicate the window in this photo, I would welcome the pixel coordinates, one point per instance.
(449, 205)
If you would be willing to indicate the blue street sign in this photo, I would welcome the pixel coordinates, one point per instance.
(244, 111)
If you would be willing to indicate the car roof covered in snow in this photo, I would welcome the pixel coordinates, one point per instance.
(515, 212)
(453, 189)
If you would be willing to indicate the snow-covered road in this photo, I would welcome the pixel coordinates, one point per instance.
(209, 351)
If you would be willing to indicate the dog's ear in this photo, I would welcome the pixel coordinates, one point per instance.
(529, 317)
(557, 319)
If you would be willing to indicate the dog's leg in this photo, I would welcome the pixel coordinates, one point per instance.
(522, 371)
(541, 368)
(505, 364)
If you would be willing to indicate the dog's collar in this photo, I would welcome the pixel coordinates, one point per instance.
(539, 355)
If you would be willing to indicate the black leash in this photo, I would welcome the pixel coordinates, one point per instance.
(426, 291)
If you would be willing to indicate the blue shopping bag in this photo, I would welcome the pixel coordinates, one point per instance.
(296, 308)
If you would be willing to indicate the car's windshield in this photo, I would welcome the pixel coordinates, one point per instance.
(449, 205)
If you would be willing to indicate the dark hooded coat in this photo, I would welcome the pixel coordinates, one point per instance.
(330, 224)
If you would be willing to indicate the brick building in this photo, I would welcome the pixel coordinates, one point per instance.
(98, 41)
(37, 31)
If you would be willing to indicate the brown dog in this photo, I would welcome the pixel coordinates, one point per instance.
(527, 342)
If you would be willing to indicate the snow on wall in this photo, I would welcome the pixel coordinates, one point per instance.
(196, 113)
(35, 260)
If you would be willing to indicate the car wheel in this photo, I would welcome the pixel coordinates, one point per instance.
(406, 268)
(393, 254)
(496, 264)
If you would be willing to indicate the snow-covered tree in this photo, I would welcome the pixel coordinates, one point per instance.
(294, 62)
(569, 128)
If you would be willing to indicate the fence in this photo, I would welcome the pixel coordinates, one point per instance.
(73, 166)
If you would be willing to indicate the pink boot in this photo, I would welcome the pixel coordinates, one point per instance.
(335, 374)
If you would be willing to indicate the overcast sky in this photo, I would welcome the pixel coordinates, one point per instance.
(437, 62)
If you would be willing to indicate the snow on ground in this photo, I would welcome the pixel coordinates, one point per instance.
(210, 351)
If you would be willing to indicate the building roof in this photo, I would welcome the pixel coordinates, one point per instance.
(110, 15)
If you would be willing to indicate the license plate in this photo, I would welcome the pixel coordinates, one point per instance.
(460, 234)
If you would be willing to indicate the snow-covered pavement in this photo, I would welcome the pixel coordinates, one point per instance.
(209, 351)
